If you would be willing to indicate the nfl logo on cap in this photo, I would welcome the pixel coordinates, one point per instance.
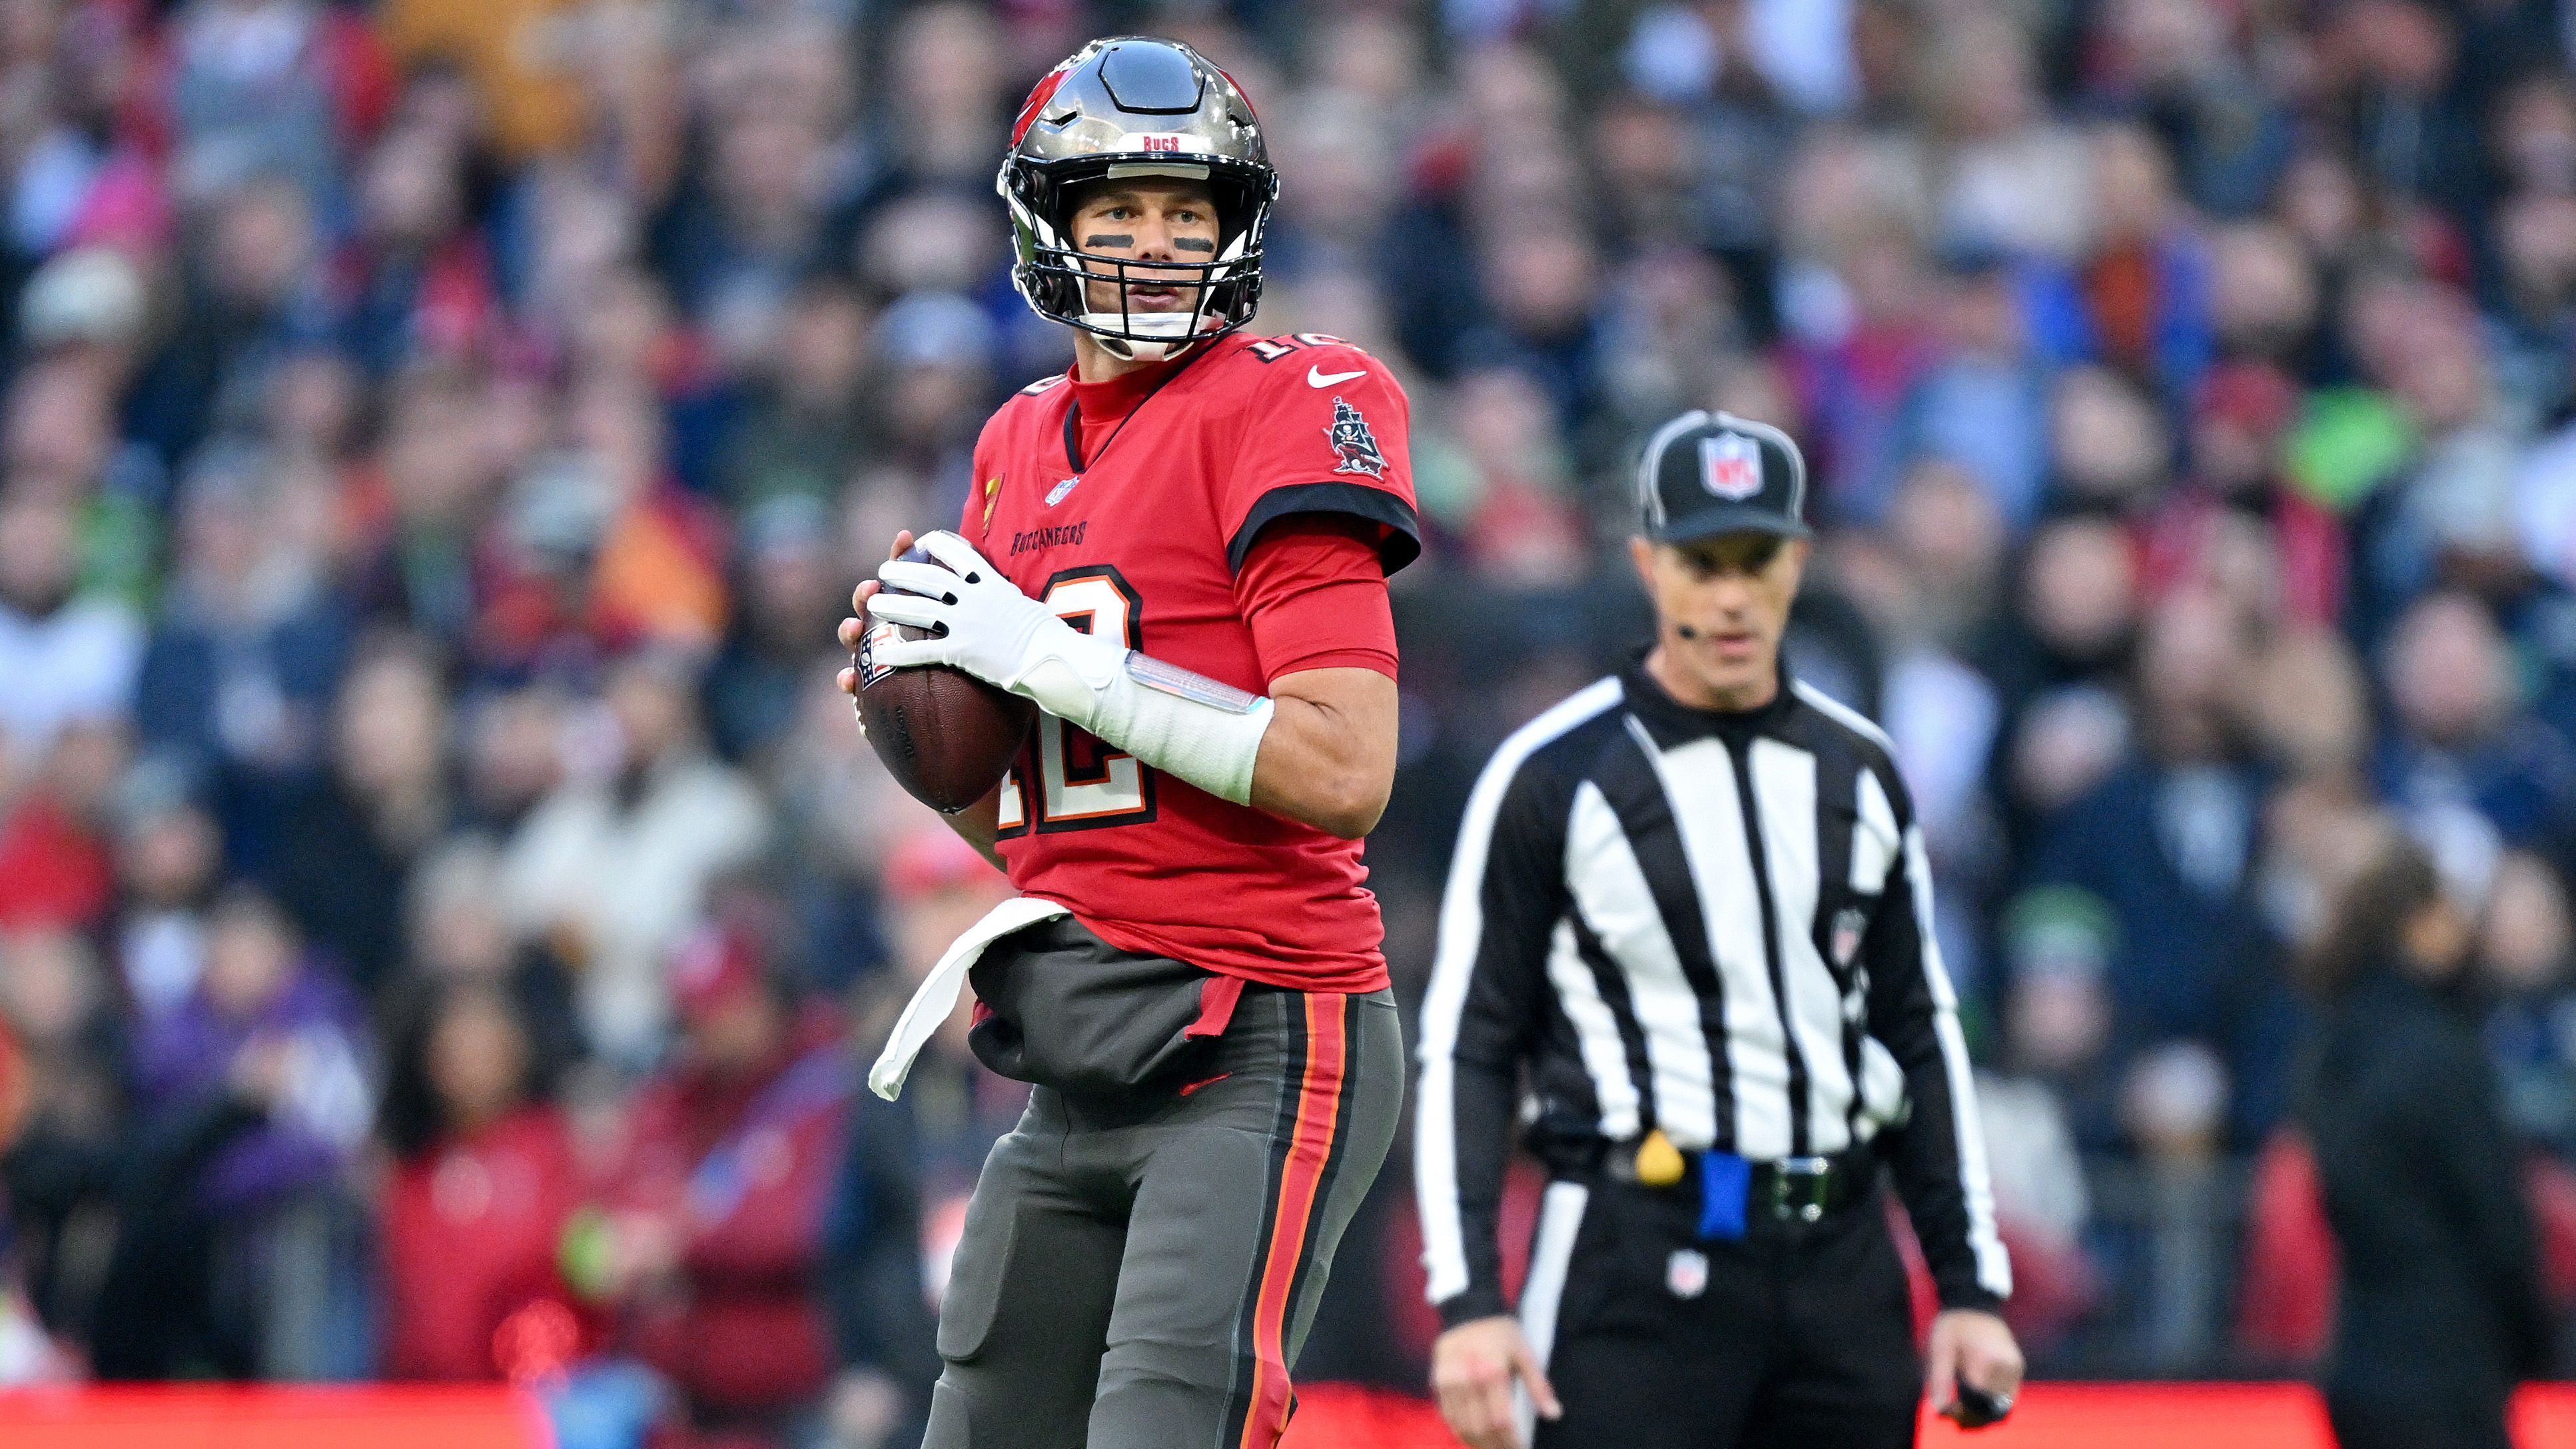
(1730, 466)
(1706, 473)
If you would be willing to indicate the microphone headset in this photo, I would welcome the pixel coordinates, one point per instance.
(1685, 630)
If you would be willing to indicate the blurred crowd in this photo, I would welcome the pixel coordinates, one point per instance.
(443, 897)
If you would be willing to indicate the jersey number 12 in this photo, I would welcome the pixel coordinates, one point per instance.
(1082, 783)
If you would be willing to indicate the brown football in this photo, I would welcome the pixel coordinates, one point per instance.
(945, 735)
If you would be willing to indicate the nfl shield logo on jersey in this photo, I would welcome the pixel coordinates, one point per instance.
(1730, 466)
(1686, 1273)
(1352, 442)
(1056, 494)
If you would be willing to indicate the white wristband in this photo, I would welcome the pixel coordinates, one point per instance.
(1183, 724)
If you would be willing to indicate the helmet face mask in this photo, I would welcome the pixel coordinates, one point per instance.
(1133, 108)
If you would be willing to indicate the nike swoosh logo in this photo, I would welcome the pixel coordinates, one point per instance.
(1317, 377)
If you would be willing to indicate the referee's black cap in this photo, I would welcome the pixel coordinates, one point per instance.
(1707, 473)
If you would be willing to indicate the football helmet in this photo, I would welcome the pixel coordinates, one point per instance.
(1137, 106)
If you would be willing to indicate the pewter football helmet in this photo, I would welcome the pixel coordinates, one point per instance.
(1137, 106)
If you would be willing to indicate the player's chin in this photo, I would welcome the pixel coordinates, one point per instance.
(1150, 301)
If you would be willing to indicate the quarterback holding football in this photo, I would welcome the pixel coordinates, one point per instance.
(1177, 550)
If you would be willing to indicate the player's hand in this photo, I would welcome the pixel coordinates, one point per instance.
(1971, 1346)
(855, 627)
(980, 620)
(1473, 1367)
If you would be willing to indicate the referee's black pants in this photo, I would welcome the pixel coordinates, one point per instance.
(1797, 1334)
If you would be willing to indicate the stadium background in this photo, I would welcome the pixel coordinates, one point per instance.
(439, 436)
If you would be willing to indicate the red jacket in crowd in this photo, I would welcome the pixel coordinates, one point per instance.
(473, 1232)
(744, 1166)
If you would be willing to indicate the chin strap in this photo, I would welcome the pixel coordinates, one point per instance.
(1187, 329)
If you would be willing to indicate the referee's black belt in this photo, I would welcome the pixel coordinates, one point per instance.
(1788, 1190)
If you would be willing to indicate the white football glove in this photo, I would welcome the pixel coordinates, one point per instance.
(983, 624)
(1185, 724)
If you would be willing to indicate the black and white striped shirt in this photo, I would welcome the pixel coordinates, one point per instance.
(1713, 924)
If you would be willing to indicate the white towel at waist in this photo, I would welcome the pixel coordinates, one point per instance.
(937, 995)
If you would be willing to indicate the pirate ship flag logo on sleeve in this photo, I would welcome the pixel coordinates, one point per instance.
(1352, 442)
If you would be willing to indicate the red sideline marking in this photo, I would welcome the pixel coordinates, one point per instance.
(152, 1416)
(2050, 1416)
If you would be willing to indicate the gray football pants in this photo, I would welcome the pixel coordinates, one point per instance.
(1141, 1273)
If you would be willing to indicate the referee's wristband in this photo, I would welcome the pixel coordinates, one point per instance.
(1969, 1295)
(1470, 1305)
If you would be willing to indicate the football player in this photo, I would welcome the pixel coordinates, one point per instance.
(1178, 549)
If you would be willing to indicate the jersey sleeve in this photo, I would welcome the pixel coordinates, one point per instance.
(1312, 591)
(1327, 430)
(1489, 988)
(984, 483)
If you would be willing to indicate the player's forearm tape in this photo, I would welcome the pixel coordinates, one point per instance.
(1182, 724)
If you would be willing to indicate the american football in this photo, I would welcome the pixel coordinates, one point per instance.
(943, 734)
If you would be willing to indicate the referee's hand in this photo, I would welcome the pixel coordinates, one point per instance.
(1472, 1369)
(1973, 1347)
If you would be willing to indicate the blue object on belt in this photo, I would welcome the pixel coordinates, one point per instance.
(1724, 1181)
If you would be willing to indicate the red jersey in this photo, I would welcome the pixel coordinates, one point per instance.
(1128, 507)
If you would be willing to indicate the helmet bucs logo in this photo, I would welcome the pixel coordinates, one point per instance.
(1730, 466)
(1352, 443)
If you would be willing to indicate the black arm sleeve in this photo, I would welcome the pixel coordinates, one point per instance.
(1937, 1152)
(1505, 896)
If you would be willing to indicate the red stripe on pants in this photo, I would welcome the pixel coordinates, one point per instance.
(1319, 1109)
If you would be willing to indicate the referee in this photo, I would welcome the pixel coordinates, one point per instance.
(1690, 910)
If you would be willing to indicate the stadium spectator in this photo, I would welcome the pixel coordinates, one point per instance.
(2440, 1311)
(720, 1192)
(459, 935)
(2459, 736)
(611, 871)
(790, 598)
(235, 1243)
(254, 291)
(55, 867)
(2166, 848)
(67, 1108)
(410, 555)
(1981, 401)
(69, 656)
(169, 864)
(236, 684)
(805, 428)
(882, 1325)
(485, 1183)
(349, 843)
(2525, 950)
